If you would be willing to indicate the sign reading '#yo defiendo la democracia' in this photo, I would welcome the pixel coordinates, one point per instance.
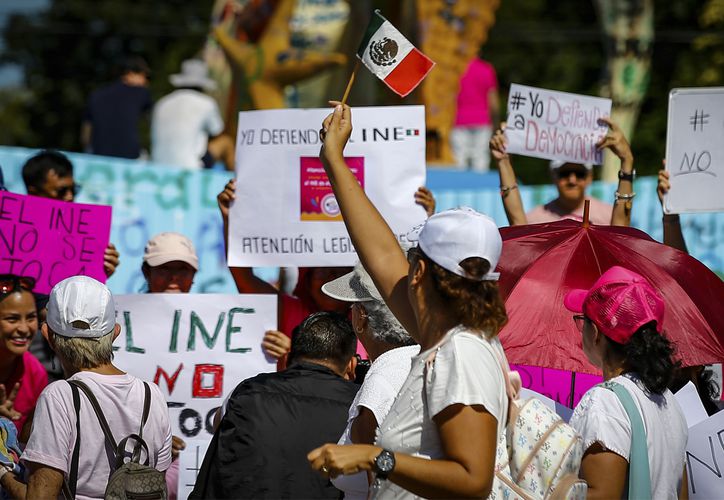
(555, 125)
(285, 213)
(197, 348)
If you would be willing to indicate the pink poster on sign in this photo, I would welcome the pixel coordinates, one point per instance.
(317, 201)
(556, 384)
(51, 240)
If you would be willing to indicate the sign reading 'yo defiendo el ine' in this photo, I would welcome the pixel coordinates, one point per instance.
(555, 125)
(285, 213)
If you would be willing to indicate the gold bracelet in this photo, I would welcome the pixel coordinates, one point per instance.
(504, 190)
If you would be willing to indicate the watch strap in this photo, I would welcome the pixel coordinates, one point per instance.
(627, 176)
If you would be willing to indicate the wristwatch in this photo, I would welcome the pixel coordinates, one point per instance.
(384, 464)
(627, 177)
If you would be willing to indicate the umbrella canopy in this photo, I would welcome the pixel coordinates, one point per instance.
(540, 263)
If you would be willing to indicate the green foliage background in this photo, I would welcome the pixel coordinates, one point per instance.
(75, 46)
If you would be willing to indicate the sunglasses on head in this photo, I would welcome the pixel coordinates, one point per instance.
(566, 173)
(10, 283)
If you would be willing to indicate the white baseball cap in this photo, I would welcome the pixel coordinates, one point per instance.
(355, 286)
(454, 235)
(168, 247)
(81, 307)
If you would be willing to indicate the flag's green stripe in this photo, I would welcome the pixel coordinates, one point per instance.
(375, 23)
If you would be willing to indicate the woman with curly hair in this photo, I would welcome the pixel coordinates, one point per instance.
(620, 318)
(439, 437)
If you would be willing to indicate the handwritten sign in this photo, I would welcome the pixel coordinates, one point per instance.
(190, 459)
(197, 348)
(555, 125)
(285, 213)
(695, 151)
(705, 458)
(51, 240)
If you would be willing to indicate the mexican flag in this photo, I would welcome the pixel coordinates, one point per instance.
(392, 58)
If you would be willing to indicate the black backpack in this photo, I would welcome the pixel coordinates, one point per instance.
(130, 480)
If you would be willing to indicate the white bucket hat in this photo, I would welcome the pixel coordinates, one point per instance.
(81, 307)
(194, 73)
(355, 286)
(454, 235)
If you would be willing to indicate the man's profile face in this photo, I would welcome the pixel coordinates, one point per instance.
(57, 188)
(572, 180)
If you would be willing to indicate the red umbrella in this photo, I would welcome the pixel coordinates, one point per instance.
(540, 263)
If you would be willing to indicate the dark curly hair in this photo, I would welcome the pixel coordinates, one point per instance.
(649, 354)
(477, 304)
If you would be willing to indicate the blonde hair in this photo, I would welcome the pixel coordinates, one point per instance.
(84, 353)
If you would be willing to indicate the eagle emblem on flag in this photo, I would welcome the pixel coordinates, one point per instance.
(383, 52)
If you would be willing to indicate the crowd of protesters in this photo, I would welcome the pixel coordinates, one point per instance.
(424, 420)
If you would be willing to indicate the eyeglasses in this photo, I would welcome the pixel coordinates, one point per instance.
(10, 283)
(580, 321)
(62, 192)
(565, 174)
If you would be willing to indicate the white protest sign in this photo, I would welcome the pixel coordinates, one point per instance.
(691, 405)
(705, 458)
(197, 348)
(285, 213)
(563, 411)
(695, 151)
(555, 125)
(190, 460)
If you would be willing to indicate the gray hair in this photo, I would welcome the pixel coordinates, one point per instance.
(84, 353)
(384, 325)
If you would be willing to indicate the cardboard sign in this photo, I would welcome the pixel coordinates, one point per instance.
(705, 458)
(51, 240)
(190, 460)
(555, 125)
(691, 405)
(197, 348)
(285, 213)
(695, 151)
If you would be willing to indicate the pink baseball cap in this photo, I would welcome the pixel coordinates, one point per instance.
(619, 303)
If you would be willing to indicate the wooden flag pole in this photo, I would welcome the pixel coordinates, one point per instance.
(350, 82)
(586, 209)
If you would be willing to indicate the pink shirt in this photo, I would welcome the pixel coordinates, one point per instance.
(600, 213)
(475, 85)
(33, 378)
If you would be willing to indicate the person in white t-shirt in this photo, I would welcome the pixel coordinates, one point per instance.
(81, 328)
(620, 318)
(439, 438)
(390, 349)
(186, 125)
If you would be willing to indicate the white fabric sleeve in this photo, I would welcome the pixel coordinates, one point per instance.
(377, 395)
(601, 418)
(52, 438)
(163, 458)
(214, 123)
(467, 372)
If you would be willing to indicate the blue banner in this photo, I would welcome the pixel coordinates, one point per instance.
(148, 199)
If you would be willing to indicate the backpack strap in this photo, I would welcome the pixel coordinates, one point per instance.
(69, 486)
(98, 411)
(140, 443)
(639, 475)
(146, 407)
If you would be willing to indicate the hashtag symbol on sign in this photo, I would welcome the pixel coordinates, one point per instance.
(516, 100)
(699, 119)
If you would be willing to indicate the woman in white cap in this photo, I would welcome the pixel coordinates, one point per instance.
(439, 438)
(169, 266)
(169, 263)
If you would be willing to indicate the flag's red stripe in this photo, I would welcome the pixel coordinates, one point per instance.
(409, 73)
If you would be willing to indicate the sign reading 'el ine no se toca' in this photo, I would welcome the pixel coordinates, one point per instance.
(51, 240)
(285, 212)
(555, 125)
(197, 348)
